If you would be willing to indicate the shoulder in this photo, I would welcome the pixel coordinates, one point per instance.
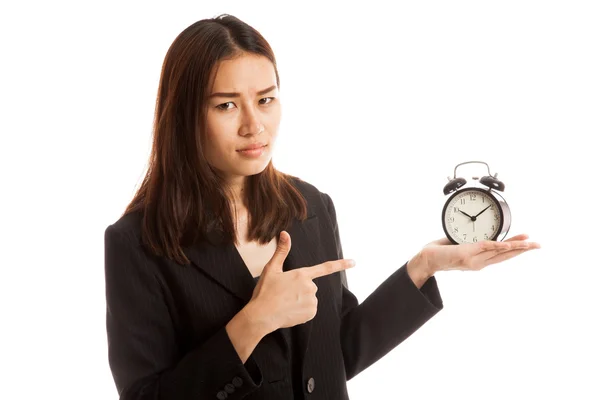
(317, 200)
(128, 225)
(312, 194)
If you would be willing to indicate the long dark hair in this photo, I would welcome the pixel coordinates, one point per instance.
(181, 198)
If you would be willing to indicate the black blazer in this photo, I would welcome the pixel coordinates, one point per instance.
(166, 322)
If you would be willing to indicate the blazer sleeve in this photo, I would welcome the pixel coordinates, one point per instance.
(388, 316)
(142, 344)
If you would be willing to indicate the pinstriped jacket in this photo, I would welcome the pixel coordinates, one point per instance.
(166, 322)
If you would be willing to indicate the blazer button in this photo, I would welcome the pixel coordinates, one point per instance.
(310, 385)
(221, 395)
(229, 388)
(237, 381)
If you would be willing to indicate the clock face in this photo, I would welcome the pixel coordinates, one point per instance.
(471, 216)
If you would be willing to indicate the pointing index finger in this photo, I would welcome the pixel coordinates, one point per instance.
(329, 267)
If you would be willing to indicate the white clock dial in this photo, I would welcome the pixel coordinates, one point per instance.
(472, 216)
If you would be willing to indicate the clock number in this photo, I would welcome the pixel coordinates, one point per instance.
(462, 201)
(456, 209)
(474, 239)
(451, 219)
(473, 197)
(485, 236)
(482, 199)
(493, 227)
(464, 236)
(456, 230)
(496, 217)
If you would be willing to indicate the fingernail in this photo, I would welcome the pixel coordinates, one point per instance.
(352, 263)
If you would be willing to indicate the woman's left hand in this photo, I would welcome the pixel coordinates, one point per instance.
(442, 255)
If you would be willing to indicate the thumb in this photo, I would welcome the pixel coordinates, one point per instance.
(284, 244)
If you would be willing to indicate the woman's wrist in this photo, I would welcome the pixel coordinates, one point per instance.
(245, 331)
(419, 269)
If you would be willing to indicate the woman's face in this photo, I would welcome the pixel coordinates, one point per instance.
(243, 110)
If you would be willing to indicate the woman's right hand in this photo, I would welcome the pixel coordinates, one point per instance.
(283, 299)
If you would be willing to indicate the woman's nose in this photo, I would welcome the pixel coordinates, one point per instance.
(251, 124)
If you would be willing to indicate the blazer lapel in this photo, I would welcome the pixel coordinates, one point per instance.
(223, 263)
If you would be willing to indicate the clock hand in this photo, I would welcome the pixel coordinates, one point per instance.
(481, 212)
(465, 213)
(472, 218)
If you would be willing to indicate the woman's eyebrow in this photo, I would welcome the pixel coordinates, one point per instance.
(235, 94)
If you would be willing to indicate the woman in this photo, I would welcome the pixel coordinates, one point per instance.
(225, 279)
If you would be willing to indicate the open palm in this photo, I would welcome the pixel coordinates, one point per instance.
(442, 255)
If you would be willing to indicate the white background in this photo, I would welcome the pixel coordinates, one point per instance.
(380, 102)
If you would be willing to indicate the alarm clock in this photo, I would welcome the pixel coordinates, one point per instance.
(475, 212)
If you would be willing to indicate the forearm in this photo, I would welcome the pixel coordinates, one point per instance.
(202, 373)
(388, 316)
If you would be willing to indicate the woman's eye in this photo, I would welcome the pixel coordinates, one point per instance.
(225, 106)
(266, 100)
